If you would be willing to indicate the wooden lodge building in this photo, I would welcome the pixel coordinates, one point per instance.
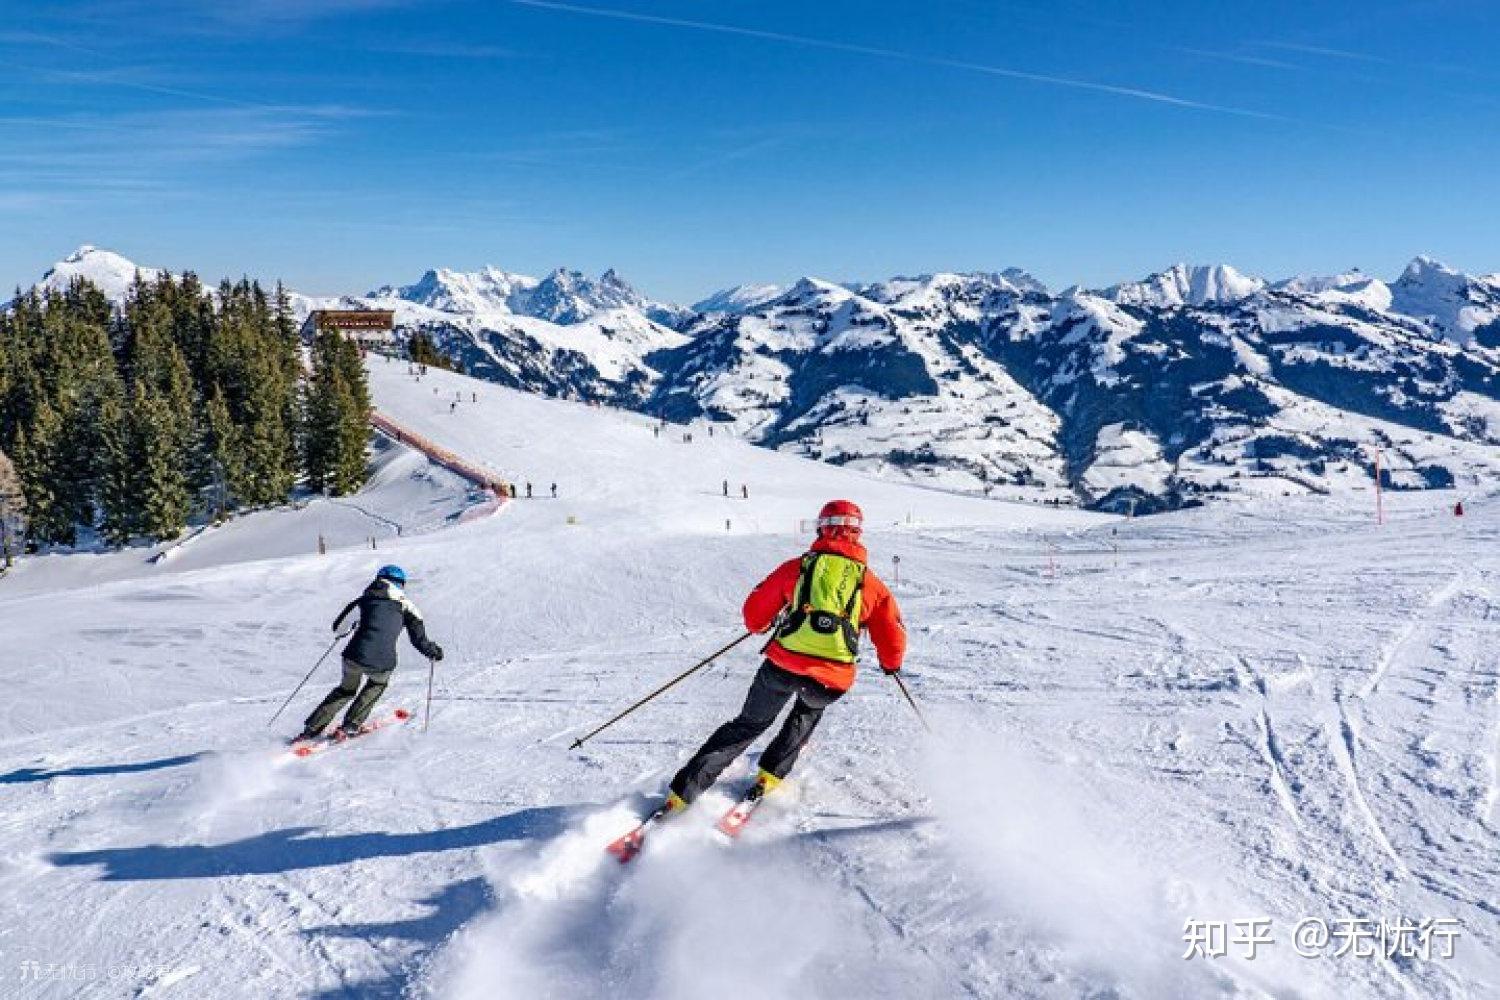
(366, 327)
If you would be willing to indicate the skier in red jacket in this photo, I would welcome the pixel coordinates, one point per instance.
(820, 601)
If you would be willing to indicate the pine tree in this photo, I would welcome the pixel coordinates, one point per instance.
(257, 369)
(129, 420)
(23, 383)
(223, 449)
(74, 368)
(338, 413)
(12, 509)
(36, 456)
(155, 435)
(422, 350)
(119, 486)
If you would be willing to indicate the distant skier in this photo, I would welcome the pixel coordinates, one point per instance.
(829, 595)
(744, 491)
(528, 491)
(384, 611)
(554, 491)
(726, 487)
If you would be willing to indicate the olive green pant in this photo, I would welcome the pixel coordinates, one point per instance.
(364, 697)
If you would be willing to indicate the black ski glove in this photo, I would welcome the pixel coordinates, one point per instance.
(435, 652)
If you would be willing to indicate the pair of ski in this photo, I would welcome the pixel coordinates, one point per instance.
(306, 748)
(730, 824)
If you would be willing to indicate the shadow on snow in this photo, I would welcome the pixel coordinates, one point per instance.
(26, 775)
(292, 849)
(449, 909)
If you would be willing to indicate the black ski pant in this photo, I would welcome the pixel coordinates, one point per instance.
(769, 693)
(364, 697)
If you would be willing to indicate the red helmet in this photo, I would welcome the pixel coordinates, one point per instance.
(840, 517)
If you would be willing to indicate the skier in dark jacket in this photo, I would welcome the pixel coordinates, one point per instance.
(384, 612)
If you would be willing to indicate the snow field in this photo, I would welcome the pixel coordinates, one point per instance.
(1269, 708)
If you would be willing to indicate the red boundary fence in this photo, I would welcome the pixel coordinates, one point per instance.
(480, 477)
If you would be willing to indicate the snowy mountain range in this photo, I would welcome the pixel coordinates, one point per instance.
(1189, 382)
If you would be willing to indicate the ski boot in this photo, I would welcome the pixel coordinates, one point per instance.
(765, 782)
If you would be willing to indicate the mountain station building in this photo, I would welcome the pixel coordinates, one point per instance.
(366, 327)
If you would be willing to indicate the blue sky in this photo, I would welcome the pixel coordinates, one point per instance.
(343, 144)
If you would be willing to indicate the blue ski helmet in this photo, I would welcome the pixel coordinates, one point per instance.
(395, 574)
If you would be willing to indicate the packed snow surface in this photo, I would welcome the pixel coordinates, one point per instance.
(1269, 709)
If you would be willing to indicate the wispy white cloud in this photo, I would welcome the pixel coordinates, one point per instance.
(1330, 55)
(110, 156)
(197, 16)
(445, 49)
(138, 79)
(1073, 83)
(34, 38)
(1238, 57)
(726, 157)
(1322, 50)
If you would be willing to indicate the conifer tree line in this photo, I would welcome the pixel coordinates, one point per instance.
(421, 349)
(132, 422)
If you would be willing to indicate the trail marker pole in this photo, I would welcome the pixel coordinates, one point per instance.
(1379, 498)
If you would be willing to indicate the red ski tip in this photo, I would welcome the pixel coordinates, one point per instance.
(627, 846)
(733, 823)
(402, 714)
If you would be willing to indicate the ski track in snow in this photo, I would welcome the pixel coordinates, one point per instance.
(1138, 723)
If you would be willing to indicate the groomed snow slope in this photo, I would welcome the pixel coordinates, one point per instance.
(406, 495)
(1271, 709)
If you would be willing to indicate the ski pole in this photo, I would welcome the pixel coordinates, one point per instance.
(911, 701)
(336, 640)
(431, 669)
(675, 680)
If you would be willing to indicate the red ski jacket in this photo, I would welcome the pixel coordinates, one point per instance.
(879, 614)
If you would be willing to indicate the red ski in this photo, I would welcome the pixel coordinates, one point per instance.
(738, 815)
(306, 748)
(628, 846)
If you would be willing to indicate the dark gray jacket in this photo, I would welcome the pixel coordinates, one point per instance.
(384, 611)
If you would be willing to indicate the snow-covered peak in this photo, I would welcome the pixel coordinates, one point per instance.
(1425, 269)
(1183, 285)
(487, 290)
(568, 297)
(1454, 304)
(1024, 281)
(739, 298)
(1350, 288)
(113, 273)
(564, 297)
(809, 291)
(974, 286)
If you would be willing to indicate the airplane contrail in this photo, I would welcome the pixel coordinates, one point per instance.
(896, 54)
